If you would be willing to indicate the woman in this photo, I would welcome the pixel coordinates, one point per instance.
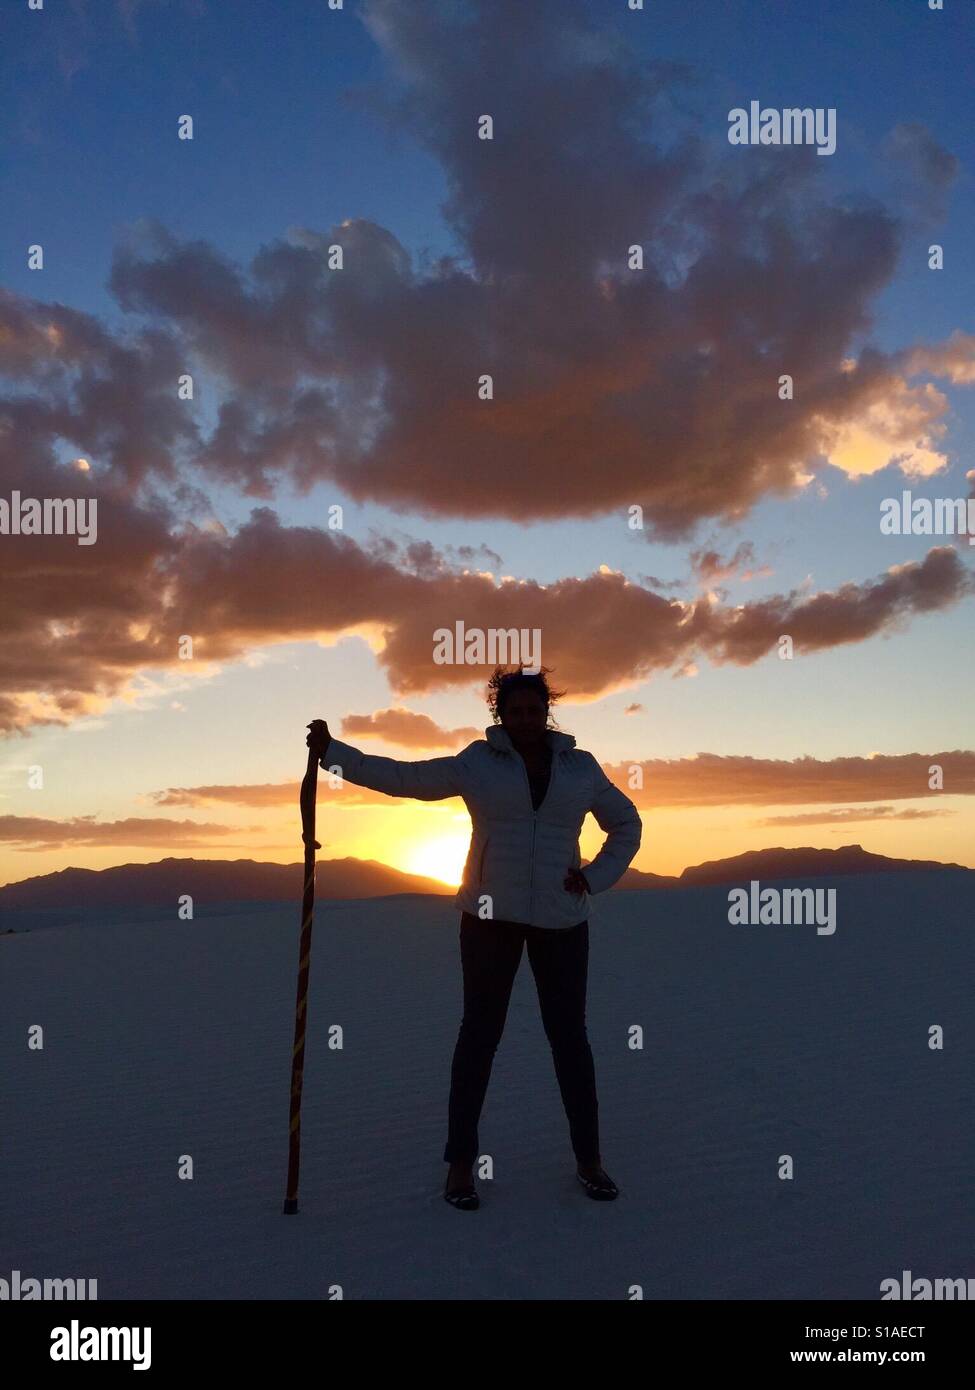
(528, 790)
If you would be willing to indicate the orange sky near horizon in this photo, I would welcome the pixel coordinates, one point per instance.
(431, 839)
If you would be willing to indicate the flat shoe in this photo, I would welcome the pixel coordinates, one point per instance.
(601, 1188)
(464, 1198)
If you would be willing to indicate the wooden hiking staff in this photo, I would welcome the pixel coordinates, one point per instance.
(309, 788)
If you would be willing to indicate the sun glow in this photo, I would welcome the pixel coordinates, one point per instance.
(441, 858)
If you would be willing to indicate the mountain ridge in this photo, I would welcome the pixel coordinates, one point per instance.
(250, 880)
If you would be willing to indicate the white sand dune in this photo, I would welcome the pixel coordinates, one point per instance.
(165, 1038)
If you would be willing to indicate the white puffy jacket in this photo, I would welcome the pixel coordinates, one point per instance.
(518, 857)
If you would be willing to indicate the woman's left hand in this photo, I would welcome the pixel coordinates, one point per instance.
(575, 882)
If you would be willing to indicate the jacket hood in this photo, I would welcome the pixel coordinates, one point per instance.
(499, 740)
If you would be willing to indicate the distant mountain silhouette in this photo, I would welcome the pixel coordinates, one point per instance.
(246, 880)
(782, 863)
(211, 881)
(636, 878)
(803, 863)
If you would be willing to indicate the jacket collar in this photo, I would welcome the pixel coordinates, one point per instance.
(499, 740)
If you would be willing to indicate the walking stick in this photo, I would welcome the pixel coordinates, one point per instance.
(309, 787)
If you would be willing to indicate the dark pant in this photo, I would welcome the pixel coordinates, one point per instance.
(490, 955)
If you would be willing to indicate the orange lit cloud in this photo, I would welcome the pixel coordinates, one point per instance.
(708, 779)
(852, 815)
(35, 833)
(408, 729)
(124, 611)
(712, 780)
(267, 794)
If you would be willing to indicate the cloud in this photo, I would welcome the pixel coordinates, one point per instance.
(113, 398)
(709, 567)
(845, 816)
(602, 633)
(850, 613)
(254, 794)
(268, 794)
(709, 779)
(408, 729)
(423, 558)
(925, 170)
(78, 623)
(367, 376)
(897, 423)
(954, 359)
(671, 384)
(79, 629)
(36, 833)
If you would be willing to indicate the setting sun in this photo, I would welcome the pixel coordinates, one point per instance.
(441, 858)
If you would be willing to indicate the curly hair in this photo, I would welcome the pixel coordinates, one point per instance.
(503, 682)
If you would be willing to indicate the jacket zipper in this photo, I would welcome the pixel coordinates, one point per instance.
(531, 868)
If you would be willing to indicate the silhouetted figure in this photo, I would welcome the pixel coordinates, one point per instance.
(528, 790)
